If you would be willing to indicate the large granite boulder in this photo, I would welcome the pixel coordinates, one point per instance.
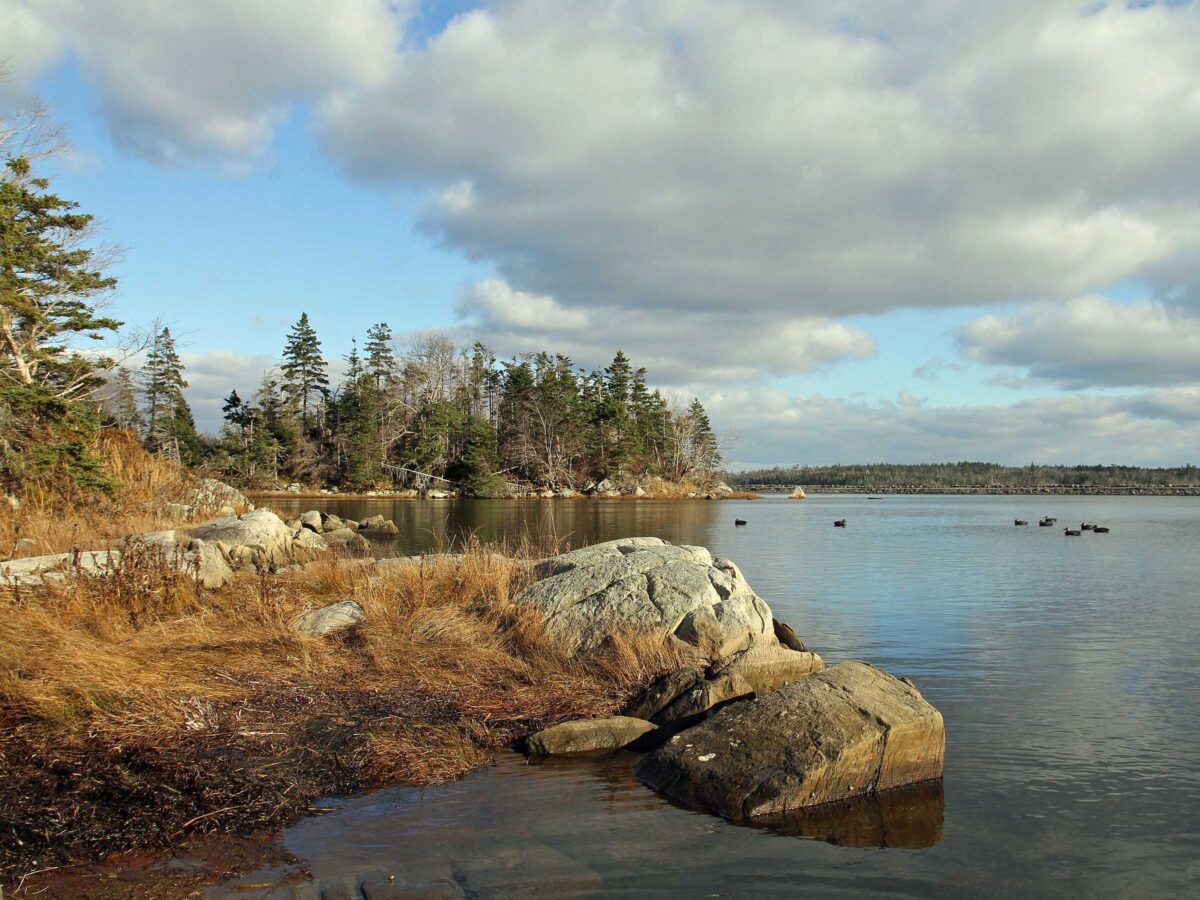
(644, 584)
(847, 731)
(259, 535)
(584, 736)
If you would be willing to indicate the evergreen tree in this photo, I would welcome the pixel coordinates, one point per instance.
(169, 423)
(48, 288)
(618, 437)
(381, 360)
(305, 380)
(706, 454)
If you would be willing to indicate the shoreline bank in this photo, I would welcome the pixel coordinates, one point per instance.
(1054, 490)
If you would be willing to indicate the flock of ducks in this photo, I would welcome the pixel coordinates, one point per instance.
(1044, 522)
(1047, 521)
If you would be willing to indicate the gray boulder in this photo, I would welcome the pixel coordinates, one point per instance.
(378, 526)
(645, 584)
(584, 736)
(332, 619)
(347, 540)
(848, 731)
(259, 536)
(312, 521)
(34, 570)
(215, 496)
(330, 522)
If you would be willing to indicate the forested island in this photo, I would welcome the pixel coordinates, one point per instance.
(429, 413)
(971, 478)
(422, 413)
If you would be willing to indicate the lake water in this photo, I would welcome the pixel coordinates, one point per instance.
(1067, 669)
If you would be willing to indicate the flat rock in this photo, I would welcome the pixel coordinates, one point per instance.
(588, 736)
(644, 584)
(847, 731)
(331, 619)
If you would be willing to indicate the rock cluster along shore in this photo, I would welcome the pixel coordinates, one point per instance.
(764, 728)
(257, 541)
(603, 489)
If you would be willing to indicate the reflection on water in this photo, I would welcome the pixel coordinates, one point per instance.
(1065, 668)
(908, 818)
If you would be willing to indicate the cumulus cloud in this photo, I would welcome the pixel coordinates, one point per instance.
(796, 158)
(212, 375)
(1091, 342)
(181, 82)
(709, 346)
(773, 427)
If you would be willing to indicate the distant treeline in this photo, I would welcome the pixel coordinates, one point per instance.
(967, 475)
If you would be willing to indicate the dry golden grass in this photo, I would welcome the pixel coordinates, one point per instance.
(207, 711)
(53, 521)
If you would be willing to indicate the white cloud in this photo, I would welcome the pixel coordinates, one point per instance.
(187, 82)
(802, 159)
(774, 427)
(1091, 342)
(212, 375)
(710, 346)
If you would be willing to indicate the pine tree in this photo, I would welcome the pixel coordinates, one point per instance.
(619, 442)
(381, 360)
(705, 452)
(304, 370)
(48, 288)
(169, 423)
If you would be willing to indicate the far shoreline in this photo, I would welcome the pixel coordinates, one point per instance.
(1047, 491)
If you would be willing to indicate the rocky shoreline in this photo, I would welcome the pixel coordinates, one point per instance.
(744, 721)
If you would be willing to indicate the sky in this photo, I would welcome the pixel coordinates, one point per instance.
(869, 231)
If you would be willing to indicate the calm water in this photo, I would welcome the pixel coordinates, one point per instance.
(1066, 668)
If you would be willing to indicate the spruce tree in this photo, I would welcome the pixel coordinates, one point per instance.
(706, 454)
(169, 423)
(304, 370)
(381, 360)
(48, 288)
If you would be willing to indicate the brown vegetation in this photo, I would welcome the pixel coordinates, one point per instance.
(54, 518)
(137, 710)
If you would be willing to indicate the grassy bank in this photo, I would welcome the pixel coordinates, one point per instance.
(53, 517)
(138, 711)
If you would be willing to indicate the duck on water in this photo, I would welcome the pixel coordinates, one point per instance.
(840, 523)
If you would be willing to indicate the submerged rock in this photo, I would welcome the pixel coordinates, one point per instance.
(645, 584)
(848, 731)
(331, 619)
(797, 494)
(588, 736)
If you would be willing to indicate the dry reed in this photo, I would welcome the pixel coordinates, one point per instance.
(137, 710)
